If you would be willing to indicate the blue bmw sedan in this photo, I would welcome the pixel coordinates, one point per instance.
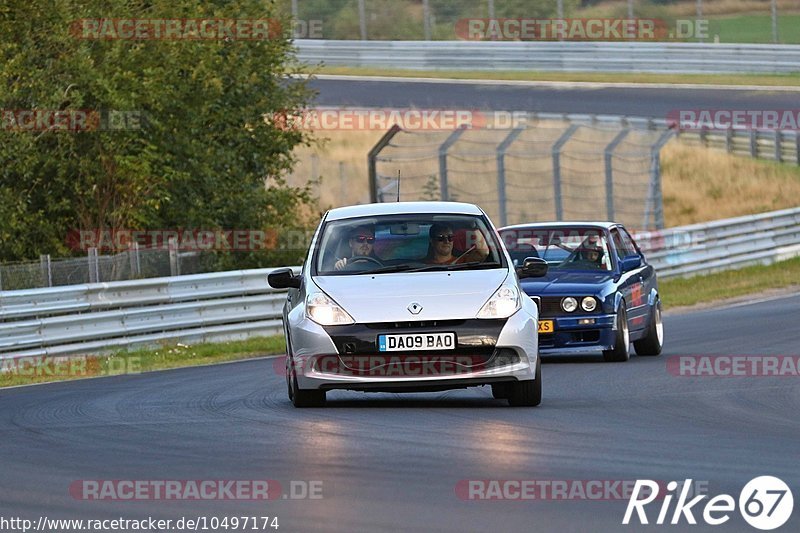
(599, 294)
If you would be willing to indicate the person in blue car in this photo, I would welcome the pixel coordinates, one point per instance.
(588, 257)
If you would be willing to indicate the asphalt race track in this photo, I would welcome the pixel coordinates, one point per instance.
(634, 101)
(393, 462)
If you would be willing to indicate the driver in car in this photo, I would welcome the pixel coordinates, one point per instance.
(591, 255)
(362, 243)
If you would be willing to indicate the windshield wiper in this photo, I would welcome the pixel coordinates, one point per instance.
(458, 266)
(388, 269)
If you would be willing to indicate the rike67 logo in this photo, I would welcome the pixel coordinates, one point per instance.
(765, 503)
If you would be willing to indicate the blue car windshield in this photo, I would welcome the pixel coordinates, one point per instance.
(579, 248)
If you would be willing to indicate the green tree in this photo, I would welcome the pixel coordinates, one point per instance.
(202, 156)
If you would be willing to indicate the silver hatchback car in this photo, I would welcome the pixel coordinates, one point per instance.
(409, 297)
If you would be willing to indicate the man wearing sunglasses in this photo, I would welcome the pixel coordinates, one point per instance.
(362, 242)
(440, 247)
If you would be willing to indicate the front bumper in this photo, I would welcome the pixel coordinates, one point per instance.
(347, 357)
(569, 336)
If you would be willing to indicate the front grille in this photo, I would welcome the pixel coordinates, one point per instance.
(473, 336)
(547, 341)
(414, 324)
(412, 364)
(591, 335)
(550, 306)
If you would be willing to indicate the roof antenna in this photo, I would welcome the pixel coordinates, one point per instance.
(398, 184)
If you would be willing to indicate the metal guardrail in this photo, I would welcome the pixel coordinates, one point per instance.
(96, 317)
(696, 58)
(723, 244)
(777, 145)
(102, 317)
(782, 146)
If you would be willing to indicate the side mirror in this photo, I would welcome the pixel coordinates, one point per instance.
(630, 262)
(283, 278)
(532, 267)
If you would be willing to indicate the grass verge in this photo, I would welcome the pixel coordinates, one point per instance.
(702, 184)
(26, 371)
(723, 285)
(755, 29)
(791, 80)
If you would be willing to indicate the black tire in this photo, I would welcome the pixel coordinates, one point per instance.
(289, 374)
(302, 397)
(501, 391)
(653, 342)
(621, 351)
(527, 393)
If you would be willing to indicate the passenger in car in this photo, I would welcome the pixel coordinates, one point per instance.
(441, 243)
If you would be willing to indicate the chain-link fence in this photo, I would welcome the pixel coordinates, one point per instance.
(333, 183)
(131, 264)
(549, 170)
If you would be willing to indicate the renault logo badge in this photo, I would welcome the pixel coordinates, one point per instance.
(414, 308)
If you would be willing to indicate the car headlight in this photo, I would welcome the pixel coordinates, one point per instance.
(503, 303)
(324, 311)
(588, 304)
(569, 304)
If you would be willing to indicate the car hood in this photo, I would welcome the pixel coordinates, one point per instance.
(566, 283)
(387, 297)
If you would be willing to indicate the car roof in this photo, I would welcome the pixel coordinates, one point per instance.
(404, 208)
(537, 225)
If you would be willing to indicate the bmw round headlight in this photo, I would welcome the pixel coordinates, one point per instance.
(569, 304)
(588, 304)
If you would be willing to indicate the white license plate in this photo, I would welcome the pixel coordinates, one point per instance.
(416, 341)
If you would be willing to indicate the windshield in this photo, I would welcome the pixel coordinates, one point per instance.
(405, 243)
(579, 248)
